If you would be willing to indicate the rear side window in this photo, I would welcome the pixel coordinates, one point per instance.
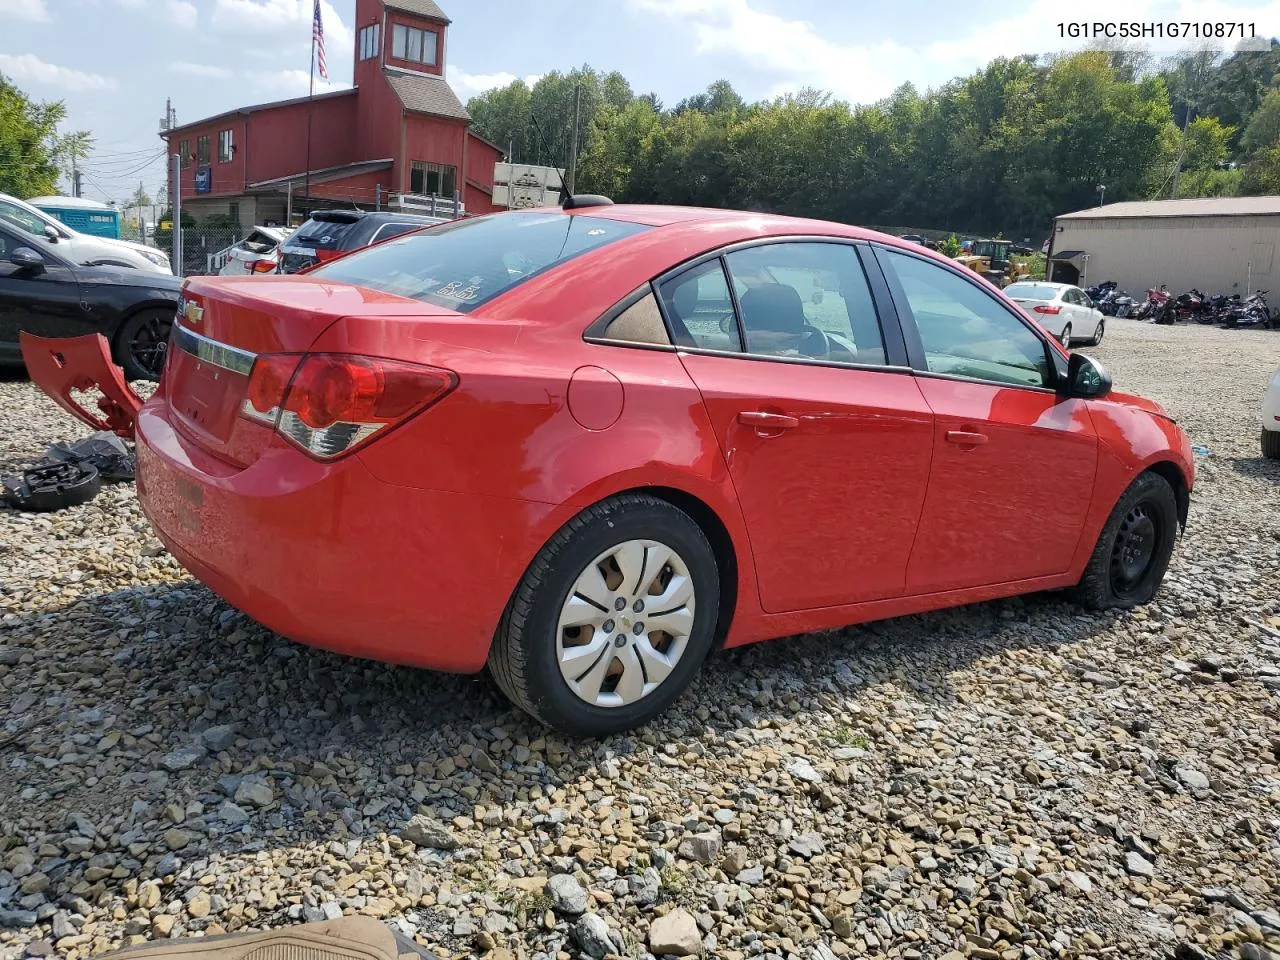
(806, 300)
(639, 323)
(388, 230)
(701, 309)
(465, 263)
(323, 234)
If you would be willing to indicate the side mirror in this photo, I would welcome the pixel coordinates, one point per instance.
(51, 233)
(27, 259)
(1087, 378)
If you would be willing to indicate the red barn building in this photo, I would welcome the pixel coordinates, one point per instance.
(399, 136)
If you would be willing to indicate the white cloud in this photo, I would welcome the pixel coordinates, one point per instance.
(467, 85)
(181, 13)
(33, 10)
(286, 18)
(199, 70)
(801, 55)
(31, 68)
(284, 84)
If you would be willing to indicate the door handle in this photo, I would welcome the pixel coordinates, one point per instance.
(764, 420)
(966, 438)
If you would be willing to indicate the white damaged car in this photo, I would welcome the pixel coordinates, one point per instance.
(1271, 418)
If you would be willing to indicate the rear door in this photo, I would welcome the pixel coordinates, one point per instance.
(45, 302)
(1013, 462)
(827, 443)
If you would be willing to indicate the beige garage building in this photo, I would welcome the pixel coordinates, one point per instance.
(1215, 244)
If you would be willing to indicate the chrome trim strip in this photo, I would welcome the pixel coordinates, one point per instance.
(211, 351)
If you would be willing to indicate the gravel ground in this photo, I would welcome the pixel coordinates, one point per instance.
(1010, 780)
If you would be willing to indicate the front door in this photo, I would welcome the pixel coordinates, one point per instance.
(828, 450)
(1013, 461)
(45, 301)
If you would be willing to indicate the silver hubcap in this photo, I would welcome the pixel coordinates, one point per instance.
(626, 623)
(1066, 337)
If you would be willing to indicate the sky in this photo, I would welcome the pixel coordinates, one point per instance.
(114, 62)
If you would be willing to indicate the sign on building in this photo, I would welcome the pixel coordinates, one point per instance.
(204, 179)
(521, 186)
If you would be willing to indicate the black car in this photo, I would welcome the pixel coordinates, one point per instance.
(330, 233)
(44, 294)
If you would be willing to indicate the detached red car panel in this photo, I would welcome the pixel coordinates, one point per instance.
(584, 447)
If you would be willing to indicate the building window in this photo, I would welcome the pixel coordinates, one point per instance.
(438, 178)
(369, 42)
(225, 147)
(409, 43)
(202, 150)
(184, 151)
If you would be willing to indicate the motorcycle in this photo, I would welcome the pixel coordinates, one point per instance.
(1185, 306)
(1253, 312)
(1122, 306)
(1156, 299)
(1217, 307)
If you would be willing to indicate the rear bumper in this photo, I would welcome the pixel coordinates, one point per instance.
(330, 556)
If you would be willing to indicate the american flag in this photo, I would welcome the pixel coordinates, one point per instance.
(317, 37)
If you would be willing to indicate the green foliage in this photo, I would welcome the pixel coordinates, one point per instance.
(950, 247)
(1004, 149)
(1262, 175)
(29, 142)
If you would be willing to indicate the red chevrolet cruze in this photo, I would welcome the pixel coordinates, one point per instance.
(584, 447)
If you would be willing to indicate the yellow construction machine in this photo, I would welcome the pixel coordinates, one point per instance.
(991, 259)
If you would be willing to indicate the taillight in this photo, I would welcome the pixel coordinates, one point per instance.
(1044, 308)
(328, 404)
(264, 266)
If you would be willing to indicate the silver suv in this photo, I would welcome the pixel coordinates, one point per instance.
(81, 247)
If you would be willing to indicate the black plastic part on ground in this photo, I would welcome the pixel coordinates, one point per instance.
(52, 486)
(104, 451)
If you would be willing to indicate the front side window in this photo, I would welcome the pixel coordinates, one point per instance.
(369, 42)
(806, 300)
(225, 147)
(409, 43)
(964, 330)
(701, 309)
(465, 263)
(202, 149)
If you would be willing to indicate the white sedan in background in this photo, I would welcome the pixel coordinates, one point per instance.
(1063, 310)
(1271, 419)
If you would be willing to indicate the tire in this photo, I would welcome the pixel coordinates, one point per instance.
(1097, 334)
(141, 343)
(1271, 444)
(1108, 581)
(531, 641)
(1065, 339)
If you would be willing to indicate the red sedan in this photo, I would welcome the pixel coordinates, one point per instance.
(585, 447)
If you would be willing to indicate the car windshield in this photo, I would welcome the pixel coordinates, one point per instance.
(464, 263)
(1031, 291)
(22, 218)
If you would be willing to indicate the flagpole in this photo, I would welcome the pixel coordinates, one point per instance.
(310, 110)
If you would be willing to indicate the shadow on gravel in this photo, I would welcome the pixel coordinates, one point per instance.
(1256, 468)
(107, 687)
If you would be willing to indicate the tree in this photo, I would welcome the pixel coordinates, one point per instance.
(28, 142)
(950, 247)
(73, 148)
(139, 198)
(1263, 130)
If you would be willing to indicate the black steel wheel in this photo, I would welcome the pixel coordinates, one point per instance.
(1133, 551)
(142, 342)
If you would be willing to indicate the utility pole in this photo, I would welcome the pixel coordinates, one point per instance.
(75, 178)
(1177, 167)
(573, 146)
(166, 125)
(176, 258)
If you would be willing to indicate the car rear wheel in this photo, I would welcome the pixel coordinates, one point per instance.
(1271, 444)
(612, 619)
(141, 343)
(1065, 339)
(1132, 553)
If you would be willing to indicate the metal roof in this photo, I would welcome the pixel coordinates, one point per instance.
(1196, 207)
(424, 93)
(423, 8)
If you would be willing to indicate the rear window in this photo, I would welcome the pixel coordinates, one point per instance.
(1030, 291)
(322, 234)
(465, 263)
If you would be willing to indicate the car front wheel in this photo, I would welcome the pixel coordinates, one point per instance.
(1097, 334)
(1271, 444)
(1065, 339)
(612, 620)
(1133, 551)
(141, 343)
